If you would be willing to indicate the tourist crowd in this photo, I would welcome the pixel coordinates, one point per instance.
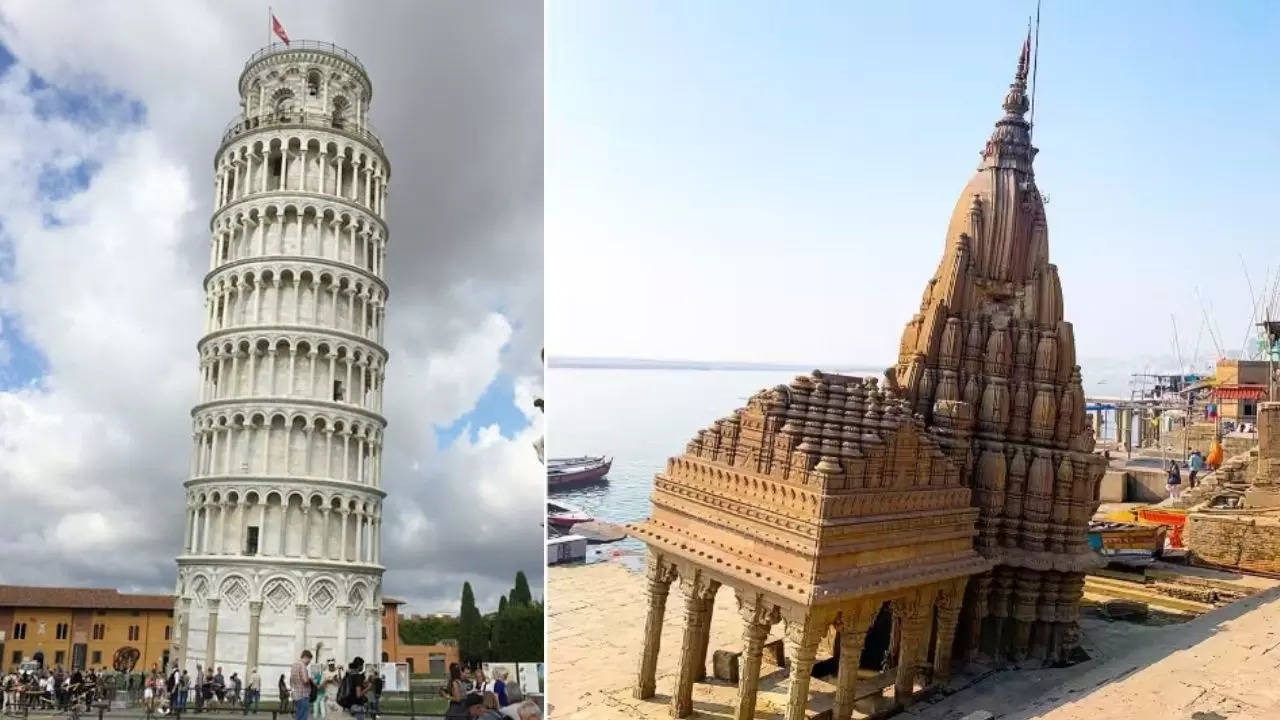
(51, 689)
(318, 692)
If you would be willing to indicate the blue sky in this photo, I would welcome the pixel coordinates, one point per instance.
(717, 172)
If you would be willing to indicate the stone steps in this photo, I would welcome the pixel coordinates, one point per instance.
(1124, 589)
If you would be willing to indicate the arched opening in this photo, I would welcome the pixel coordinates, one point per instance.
(387, 658)
(339, 116)
(313, 83)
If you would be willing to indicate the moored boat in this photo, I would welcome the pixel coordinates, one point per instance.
(572, 472)
(561, 515)
(1114, 540)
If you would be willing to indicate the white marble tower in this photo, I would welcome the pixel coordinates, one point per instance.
(284, 504)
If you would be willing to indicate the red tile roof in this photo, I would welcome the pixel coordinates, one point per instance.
(80, 598)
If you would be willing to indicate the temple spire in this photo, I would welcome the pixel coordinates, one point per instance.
(1011, 139)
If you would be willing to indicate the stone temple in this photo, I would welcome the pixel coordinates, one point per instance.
(939, 516)
(284, 503)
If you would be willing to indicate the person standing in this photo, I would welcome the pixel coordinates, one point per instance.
(376, 683)
(220, 687)
(301, 686)
(455, 690)
(500, 686)
(1196, 465)
(353, 691)
(252, 691)
(282, 687)
(1174, 480)
(184, 690)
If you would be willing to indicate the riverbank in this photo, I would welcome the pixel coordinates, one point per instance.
(1223, 662)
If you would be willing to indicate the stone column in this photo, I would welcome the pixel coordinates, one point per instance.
(759, 615)
(696, 588)
(184, 632)
(914, 614)
(375, 635)
(251, 655)
(211, 634)
(949, 604)
(343, 612)
(659, 575)
(802, 644)
(977, 615)
(853, 636)
(704, 640)
(300, 629)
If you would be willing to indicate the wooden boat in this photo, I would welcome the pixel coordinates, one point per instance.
(572, 472)
(1115, 540)
(1175, 519)
(561, 515)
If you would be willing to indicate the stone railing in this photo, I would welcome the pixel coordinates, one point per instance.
(321, 46)
(241, 125)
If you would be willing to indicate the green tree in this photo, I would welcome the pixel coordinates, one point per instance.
(428, 630)
(518, 633)
(502, 604)
(520, 594)
(472, 634)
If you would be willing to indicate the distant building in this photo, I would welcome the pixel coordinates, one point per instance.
(1239, 385)
(85, 628)
(82, 627)
(429, 659)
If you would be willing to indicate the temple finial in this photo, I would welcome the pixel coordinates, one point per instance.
(1024, 61)
(1015, 101)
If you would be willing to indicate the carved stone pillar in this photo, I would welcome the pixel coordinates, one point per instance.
(704, 640)
(1026, 590)
(1001, 587)
(211, 634)
(978, 608)
(802, 644)
(853, 636)
(914, 615)
(759, 615)
(659, 576)
(255, 616)
(696, 589)
(948, 605)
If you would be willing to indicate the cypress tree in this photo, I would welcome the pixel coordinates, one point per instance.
(472, 635)
(520, 594)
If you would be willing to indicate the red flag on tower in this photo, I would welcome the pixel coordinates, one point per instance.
(278, 29)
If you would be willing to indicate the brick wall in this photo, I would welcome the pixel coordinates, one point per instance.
(1200, 437)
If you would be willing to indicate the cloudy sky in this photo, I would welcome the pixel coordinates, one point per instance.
(755, 181)
(111, 114)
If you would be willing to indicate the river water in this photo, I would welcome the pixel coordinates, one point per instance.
(640, 417)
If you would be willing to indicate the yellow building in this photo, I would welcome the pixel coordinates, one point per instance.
(82, 627)
(421, 659)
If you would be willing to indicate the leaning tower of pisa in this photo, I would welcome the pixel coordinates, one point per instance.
(281, 550)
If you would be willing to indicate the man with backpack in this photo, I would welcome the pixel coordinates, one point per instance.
(352, 690)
